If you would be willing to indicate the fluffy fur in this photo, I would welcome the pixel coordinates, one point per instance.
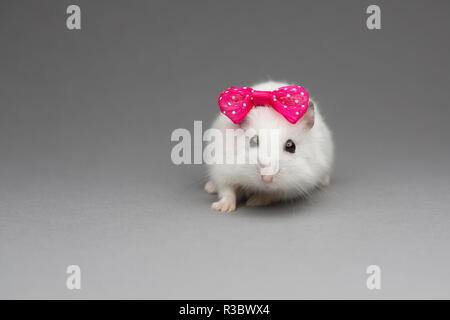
(299, 173)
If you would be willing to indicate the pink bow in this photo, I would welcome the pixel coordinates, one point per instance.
(290, 101)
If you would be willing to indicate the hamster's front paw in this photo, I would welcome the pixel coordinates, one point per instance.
(224, 205)
(210, 187)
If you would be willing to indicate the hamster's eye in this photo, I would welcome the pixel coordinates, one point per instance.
(289, 146)
(254, 142)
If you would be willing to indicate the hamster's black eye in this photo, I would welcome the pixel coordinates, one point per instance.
(289, 146)
(254, 142)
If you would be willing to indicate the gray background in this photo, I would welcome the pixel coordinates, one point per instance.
(85, 170)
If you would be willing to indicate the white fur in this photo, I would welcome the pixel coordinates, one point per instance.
(299, 173)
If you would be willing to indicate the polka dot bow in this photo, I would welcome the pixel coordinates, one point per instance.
(290, 101)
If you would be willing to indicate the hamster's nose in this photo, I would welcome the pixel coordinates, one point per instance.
(267, 178)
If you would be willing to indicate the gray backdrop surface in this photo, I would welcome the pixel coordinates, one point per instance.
(86, 176)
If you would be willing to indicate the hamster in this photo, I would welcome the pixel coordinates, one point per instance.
(304, 160)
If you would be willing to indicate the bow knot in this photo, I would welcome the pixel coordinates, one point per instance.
(261, 98)
(290, 101)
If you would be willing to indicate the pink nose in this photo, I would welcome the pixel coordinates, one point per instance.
(267, 179)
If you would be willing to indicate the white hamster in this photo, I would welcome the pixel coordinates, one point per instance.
(305, 158)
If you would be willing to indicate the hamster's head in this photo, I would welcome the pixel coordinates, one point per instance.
(280, 149)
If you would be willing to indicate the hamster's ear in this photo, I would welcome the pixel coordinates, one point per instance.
(308, 118)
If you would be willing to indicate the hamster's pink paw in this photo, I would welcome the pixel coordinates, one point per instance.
(224, 205)
(210, 187)
(325, 182)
